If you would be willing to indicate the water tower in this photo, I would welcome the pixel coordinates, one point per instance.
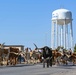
(61, 30)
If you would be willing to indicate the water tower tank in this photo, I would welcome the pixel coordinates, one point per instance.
(62, 15)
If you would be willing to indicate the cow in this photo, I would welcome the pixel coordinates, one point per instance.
(46, 55)
(68, 57)
(56, 56)
(13, 56)
(4, 54)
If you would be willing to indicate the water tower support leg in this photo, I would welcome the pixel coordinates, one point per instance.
(64, 34)
(52, 36)
(71, 34)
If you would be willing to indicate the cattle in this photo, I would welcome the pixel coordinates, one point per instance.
(56, 56)
(4, 54)
(66, 57)
(47, 56)
(32, 56)
(9, 56)
(13, 56)
(35, 56)
(73, 58)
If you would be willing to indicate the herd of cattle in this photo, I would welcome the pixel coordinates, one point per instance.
(13, 56)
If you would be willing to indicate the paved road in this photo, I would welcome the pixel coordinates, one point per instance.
(35, 70)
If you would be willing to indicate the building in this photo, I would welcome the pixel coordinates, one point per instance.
(20, 47)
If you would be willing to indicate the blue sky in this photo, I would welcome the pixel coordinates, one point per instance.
(24, 22)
